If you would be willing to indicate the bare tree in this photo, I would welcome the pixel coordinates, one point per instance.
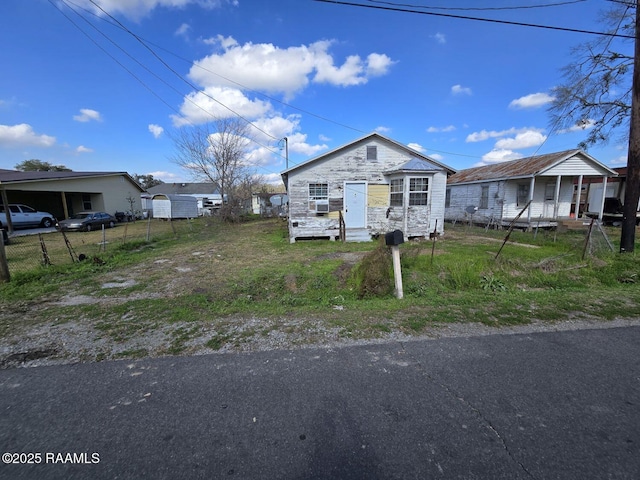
(216, 152)
(602, 92)
(596, 91)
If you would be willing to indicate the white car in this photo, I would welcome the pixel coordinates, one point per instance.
(23, 216)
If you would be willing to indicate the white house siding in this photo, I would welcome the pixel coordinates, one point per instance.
(539, 207)
(463, 196)
(572, 167)
(351, 165)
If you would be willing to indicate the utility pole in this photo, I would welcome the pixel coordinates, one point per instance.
(632, 192)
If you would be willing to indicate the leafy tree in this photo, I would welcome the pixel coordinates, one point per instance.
(217, 152)
(35, 165)
(146, 181)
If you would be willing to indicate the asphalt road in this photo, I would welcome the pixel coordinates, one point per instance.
(562, 405)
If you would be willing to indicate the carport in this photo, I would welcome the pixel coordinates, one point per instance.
(65, 193)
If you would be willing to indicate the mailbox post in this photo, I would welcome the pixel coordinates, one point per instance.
(393, 240)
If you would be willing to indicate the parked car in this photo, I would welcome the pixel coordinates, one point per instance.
(23, 216)
(87, 221)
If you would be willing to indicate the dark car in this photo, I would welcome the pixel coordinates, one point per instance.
(87, 221)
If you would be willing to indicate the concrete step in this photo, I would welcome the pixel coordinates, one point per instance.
(357, 235)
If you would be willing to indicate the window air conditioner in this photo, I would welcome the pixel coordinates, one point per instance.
(322, 206)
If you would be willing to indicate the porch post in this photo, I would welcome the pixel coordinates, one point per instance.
(578, 197)
(531, 188)
(64, 205)
(556, 197)
(604, 194)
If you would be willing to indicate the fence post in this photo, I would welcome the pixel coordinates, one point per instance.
(4, 265)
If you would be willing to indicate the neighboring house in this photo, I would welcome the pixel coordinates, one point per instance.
(66, 193)
(592, 190)
(268, 204)
(496, 194)
(374, 183)
(207, 195)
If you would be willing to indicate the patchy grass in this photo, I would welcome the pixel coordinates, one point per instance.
(206, 279)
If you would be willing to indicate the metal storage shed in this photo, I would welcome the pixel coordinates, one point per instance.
(174, 206)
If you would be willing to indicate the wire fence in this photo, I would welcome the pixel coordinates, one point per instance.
(26, 251)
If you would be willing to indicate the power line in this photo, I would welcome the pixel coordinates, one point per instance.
(465, 17)
(517, 7)
(172, 70)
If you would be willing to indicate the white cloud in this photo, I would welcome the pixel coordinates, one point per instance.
(23, 135)
(460, 90)
(530, 138)
(269, 68)
(382, 129)
(324, 138)
(156, 130)
(86, 115)
(183, 30)
(487, 134)
(83, 149)
(620, 161)
(167, 177)
(498, 156)
(448, 128)
(417, 147)
(533, 100)
(436, 156)
(136, 9)
(579, 127)
(272, 178)
(378, 64)
(440, 38)
(218, 102)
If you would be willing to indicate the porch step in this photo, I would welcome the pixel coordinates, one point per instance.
(357, 235)
(579, 224)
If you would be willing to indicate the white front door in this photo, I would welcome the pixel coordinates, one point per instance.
(355, 204)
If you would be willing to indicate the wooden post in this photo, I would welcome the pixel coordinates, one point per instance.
(4, 265)
(397, 271)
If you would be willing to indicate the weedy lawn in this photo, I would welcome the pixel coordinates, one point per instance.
(211, 285)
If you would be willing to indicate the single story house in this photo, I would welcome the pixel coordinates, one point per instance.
(593, 188)
(496, 194)
(207, 195)
(366, 188)
(65, 193)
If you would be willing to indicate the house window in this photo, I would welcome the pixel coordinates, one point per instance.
(372, 152)
(549, 192)
(418, 191)
(523, 194)
(484, 197)
(318, 191)
(447, 198)
(86, 202)
(397, 192)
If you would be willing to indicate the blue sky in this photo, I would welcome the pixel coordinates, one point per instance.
(79, 90)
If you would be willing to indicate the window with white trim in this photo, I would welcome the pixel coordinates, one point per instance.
(372, 152)
(318, 191)
(397, 192)
(447, 198)
(419, 191)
